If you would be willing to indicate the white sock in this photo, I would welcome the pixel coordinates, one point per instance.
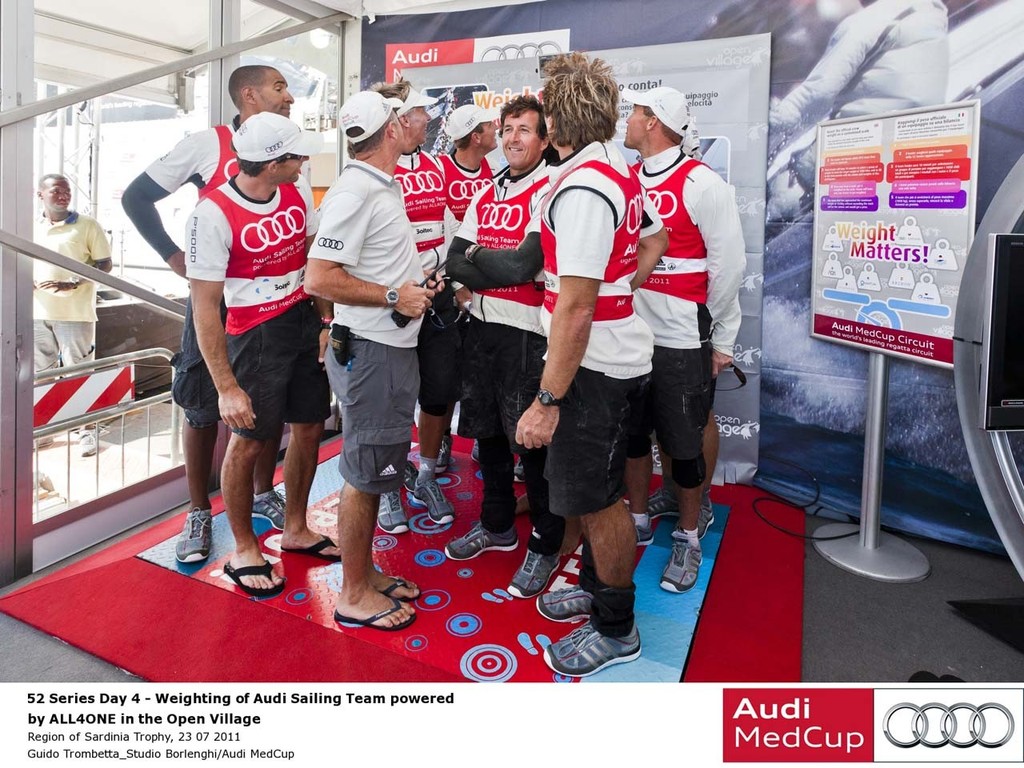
(681, 534)
(426, 472)
(641, 519)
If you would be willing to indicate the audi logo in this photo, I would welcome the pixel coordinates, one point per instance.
(274, 147)
(272, 230)
(464, 190)
(524, 51)
(501, 216)
(634, 214)
(665, 203)
(421, 182)
(914, 729)
(327, 242)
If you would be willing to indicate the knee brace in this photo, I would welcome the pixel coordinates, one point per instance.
(688, 473)
(434, 410)
(637, 446)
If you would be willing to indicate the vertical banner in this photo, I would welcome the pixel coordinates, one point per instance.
(893, 223)
(726, 84)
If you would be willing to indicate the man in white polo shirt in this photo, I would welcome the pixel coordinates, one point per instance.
(365, 261)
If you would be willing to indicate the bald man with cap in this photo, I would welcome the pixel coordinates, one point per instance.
(691, 302)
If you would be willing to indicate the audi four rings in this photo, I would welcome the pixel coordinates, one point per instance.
(464, 190)
(500, 216)
(271, 230)
(666, 203)
(420, 182)
(978, 725)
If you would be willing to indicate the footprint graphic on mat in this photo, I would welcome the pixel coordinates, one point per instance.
(525, 640)
(497, 596)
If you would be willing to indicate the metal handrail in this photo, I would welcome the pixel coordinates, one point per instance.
(102, 363)
(79, 95)
(104, 413)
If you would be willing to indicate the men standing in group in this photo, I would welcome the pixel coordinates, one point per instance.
(206, 159)
(466, 170)
(503, 354)
(598, 359)
(365, 261)
(422, 179)
(691, 303)
(64, 304)
(247, 248)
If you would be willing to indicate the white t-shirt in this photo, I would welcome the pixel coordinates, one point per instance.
(364, 227)
(197, 153)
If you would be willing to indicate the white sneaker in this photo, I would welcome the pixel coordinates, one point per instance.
(87, 444)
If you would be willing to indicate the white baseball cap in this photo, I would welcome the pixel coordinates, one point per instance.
(365, 111)
(667, 104)
(415, 99)
(268, 136)
(464, 120)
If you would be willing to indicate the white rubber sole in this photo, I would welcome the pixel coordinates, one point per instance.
(609, 663)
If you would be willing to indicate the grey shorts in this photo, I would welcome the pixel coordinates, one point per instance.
(377, 392)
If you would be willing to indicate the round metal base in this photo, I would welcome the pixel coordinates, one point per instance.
(894, 560)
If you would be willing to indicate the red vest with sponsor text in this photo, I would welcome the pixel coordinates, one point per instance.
(267, 261)
(461, 185)
(673, 275)
(502, 224)
(425, 200)
(610, 305)
(227, 161)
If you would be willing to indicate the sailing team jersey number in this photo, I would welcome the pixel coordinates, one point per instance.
(267, 262)
(682, 271)
(423, 188)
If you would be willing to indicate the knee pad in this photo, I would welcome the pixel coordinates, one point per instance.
(688, 473)
(434, 410)
(638, 446)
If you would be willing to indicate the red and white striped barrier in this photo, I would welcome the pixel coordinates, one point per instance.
(77, 395)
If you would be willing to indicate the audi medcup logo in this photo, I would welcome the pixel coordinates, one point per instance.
(665, 203)
(921, 726)
(272, 230)
(501, 216)
(421, 182)
(949, 725)
(465, 189)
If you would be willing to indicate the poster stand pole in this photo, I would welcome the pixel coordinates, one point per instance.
(874, 554)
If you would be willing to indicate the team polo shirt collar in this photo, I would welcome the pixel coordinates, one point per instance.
(372, 170)
(593, 151)
(71, 218)
(663, 160)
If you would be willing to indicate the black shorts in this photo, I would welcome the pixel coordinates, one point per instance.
(679, 400)
(440, 348)
(192, 388)
(501, 368)
(276, 364)
(587, 458)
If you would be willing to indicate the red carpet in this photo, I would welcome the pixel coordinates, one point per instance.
(162, 625)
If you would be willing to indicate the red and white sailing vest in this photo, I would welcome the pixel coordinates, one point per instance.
(683, 270)
(461, 185)
(614, 300)
(425, 200)
(227, 161)
(267, 261)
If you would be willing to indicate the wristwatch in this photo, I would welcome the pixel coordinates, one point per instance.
(548, 399)
(391, 297)
(470, 250)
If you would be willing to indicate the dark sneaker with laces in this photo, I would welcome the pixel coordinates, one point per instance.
(271, 509)
(706, 518)
(390, 515)
(478, 540)
(533, 575)
(662, 502)
(409, 477)
(196, 537)
(585, 651)
(439, 509)
(569, 604)
(444, 456)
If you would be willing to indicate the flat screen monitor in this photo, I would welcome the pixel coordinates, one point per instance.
(1002, 371)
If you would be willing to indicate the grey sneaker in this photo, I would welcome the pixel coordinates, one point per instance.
(518, 473)
(533, 575)
(439, 509)
(444, 456)
(196, 537)
(569, 604)
(681, 572)
(706, 518)
(409, 477)
(478, 540)
(661, 503)
(644, 532)
(585, 651)
(390, 515)
(270, 509)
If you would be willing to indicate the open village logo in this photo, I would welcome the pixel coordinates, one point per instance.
(798, 725)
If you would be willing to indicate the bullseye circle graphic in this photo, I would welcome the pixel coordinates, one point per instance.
(384, 542)
(464, 624)
(433, 600)
(429, 558)
(416, 643)
(464, 573)
(464, 495)
(298, 597)
(422, 523)
(488, 664)
(561, 678)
